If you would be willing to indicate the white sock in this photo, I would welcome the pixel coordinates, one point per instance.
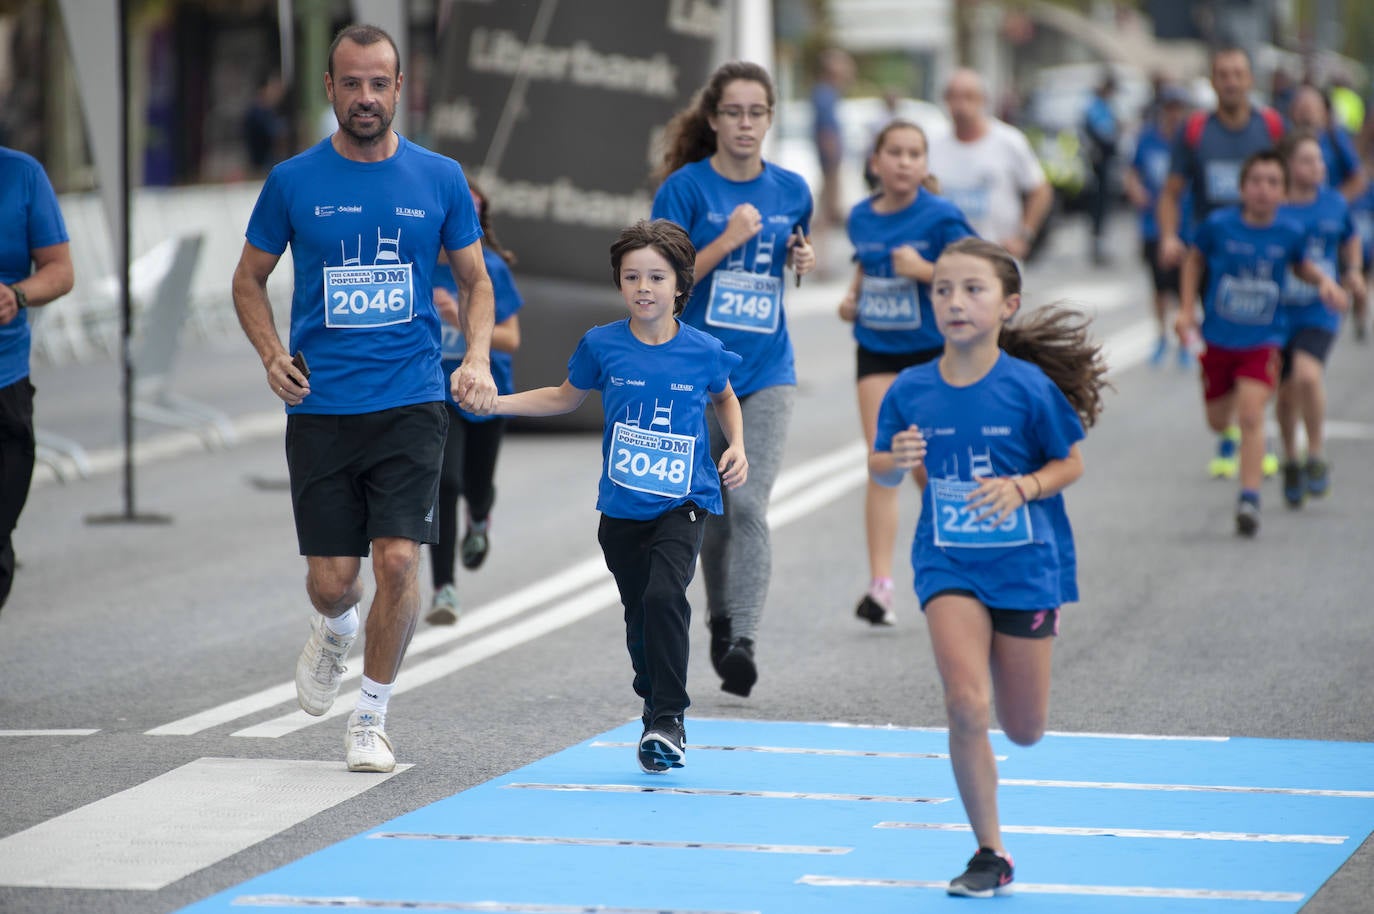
(345, 626)
(373, 697)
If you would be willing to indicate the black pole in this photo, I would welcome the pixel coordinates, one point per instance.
(126, 310)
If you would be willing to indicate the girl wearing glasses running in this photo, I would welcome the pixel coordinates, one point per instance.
(748, 220)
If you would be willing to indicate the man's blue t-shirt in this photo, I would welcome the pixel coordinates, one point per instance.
(655, 450)
(1338, 151)
(740, 301)
(1210, 162)
(1013, 421)
(508, 302)
(894, 312)
(364, 238)
(1246, 268)
(31, 219)
(1328, 225)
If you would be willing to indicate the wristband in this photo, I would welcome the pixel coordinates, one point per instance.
(1039, 489)
(1019, 491)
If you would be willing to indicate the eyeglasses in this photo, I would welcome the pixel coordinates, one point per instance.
(737, 113)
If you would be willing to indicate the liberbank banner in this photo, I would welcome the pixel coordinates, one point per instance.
(556, 108)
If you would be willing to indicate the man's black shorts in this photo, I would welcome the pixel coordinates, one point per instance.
(355, 478)
(1165, 280)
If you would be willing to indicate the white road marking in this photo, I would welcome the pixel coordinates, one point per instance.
(788, 750)
(713, 792)
(347, 902)
(4, 733)
(846, 725)
(563, 841)
(1031, 888)
(1166, 834)
(1192, 788)
(162, 830)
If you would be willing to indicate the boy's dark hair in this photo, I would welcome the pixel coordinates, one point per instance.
(1264, 155)
(363, 35)
(1054, 339)
(669, 240)
(689, 137)
(489, 240)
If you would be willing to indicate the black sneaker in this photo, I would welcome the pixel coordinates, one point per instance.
(1318, 474)
(1293, 486)
(988, 874)
(475, 544)
(874, 613)
(737, 670)
(663, 746)
(720, 640)
(1247, 517)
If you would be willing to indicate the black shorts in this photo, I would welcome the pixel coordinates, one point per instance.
(1164, 280)
(1315, 341)
(869, 362)
(1018, 623)
(355, 478)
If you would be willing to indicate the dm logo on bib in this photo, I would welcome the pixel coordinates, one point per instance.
(651, 459)
(358, 296)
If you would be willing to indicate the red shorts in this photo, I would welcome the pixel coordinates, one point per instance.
(1221, 368)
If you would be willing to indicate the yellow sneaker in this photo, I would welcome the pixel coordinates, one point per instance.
(1223, 468)
(1270, 466)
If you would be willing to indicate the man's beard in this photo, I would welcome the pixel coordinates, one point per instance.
(367, 139)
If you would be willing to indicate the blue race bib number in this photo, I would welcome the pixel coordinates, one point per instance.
(452, 343)
(647, 460)
(368, 297)
(1223, 181)
(957, 525)
(973, 202)
(889, 303)
(745, 301)
(1247, 300)
(1298, 292)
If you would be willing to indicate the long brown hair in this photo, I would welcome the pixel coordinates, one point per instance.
(931, 183)
(488, 236)
(1054, 339)
(689, 137)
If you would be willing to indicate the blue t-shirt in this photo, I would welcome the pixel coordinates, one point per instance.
(1151, 164)
(1338, 151)
(31, 219)
(1246, 267)
(365, 237)
(740, 301)
(655, 450)
(894, 312)
(1210, 162)
(1014, 420)
(508, 302)
(1362, 212)
(1328, 225)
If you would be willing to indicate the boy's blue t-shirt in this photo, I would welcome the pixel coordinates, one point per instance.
(508, 303)
(1212, 164)
(894, 312)
(1362, 212)
(1013, 421)
(364, 238)
(656, 453)
(740, 301)
(32, 219)
(1246, 269)
(1328, 224)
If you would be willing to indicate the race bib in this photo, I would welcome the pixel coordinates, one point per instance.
(367, 297)
(1364, 224)
(1300, 292)
(452, 343)
(889, 303)
(745, 301)
(957, 525)
(972, 201)
(648, 460)
(1247, 300)
(1223, 181)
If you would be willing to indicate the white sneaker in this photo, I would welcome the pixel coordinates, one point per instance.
(367, 744)
(445, 609)
(320, 667)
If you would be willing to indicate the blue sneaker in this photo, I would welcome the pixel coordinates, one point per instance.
(1318, 473)
(1293, 488)
(1185, 358)
(1161, 350)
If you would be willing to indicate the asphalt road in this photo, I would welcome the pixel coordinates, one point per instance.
(1183, 629)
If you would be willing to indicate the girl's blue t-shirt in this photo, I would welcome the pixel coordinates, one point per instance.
(365, 237)
(740, 301)
(656, 453)
(1012, 421)
(894, 312)
(32, 219)
(1246, 268)
(1362, 211)
(508, 303)
(1328, 224)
